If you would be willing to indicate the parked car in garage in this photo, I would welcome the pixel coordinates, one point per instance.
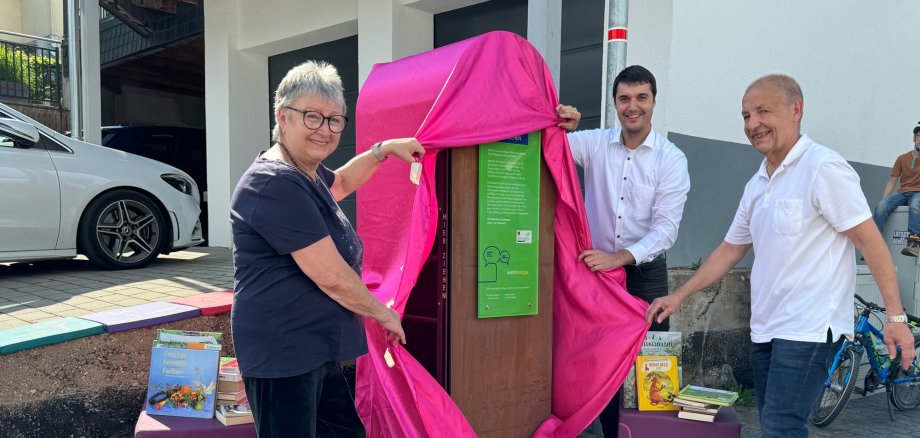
(60, 197)
(184, 148)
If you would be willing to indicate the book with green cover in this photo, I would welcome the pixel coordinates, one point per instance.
(711, 396)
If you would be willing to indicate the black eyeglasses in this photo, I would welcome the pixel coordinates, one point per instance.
(315, 119)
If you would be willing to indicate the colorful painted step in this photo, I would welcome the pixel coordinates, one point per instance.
(46, 333)
(142, 315)
(211, 303)
(181, 427)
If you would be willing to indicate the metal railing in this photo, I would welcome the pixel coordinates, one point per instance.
(30, 73)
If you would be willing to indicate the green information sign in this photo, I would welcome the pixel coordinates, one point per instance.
(509, 226)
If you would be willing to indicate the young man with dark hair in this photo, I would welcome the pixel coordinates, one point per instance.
(906, 170)
(636, 184)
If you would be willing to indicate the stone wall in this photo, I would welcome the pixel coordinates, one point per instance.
(716, 330)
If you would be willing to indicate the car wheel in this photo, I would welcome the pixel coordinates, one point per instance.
(122, 230)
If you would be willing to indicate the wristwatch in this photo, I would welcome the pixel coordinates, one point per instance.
(902, 318)
(375, 149)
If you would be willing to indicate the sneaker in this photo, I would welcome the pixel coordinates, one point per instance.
(913, 246)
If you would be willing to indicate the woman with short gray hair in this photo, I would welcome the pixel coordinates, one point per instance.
(299, 302)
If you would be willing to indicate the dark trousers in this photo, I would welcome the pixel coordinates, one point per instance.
(647, 281)
(315, 404)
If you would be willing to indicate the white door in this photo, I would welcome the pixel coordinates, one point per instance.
(30, 198)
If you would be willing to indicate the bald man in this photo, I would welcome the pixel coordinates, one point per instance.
(802, 213)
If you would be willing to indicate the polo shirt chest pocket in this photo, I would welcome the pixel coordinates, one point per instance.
(787, 216)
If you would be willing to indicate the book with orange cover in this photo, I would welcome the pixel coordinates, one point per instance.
(656, 382)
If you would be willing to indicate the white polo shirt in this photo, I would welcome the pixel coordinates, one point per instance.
(804, 272)
(634, 198)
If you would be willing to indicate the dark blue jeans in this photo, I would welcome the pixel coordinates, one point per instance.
(788, 377)
(315, 404)
(894, 200)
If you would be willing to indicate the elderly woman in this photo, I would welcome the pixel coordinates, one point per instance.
(300, 303)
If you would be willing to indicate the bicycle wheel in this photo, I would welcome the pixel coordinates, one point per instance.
(834, 397)
(906, 395)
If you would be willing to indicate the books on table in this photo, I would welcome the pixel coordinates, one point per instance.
(231, 415)
(230, 389)
(656, 382)
(183, 374)
(712, 396)
(696, 416)
(700, 403)
(656, 344)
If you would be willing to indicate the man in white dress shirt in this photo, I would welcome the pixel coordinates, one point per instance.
(802, 213)
(636, 184)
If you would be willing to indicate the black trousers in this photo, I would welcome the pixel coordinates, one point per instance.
(647, 281)
(315, 404)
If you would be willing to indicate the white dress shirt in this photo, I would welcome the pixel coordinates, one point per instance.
(634, 198)
(804, 272)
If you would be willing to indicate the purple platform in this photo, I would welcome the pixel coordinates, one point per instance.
(180, 427)
(142, 315)
(635, 424)
(211, 303)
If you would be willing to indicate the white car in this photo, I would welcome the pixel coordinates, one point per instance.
(60, 197)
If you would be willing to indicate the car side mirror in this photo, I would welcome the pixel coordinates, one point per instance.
(20, 131)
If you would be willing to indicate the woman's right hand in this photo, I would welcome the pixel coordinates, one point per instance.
(407, 149)
(390, 321)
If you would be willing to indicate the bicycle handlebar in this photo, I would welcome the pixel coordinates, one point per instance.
(874, 306)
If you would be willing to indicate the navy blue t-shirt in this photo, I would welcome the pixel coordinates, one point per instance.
(283, 324)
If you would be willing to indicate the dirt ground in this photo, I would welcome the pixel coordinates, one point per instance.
(88, 387)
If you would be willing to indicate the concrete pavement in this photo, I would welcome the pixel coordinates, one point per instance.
(32, 292)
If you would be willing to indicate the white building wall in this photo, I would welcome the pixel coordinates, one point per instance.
(649, 45)
(11, 18)
(855, 61)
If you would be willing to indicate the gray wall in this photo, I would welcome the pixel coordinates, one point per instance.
(718, 172)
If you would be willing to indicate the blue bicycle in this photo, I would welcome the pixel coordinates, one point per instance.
(903, 387)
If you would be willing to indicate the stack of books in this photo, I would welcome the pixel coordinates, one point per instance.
(232, 404)
(230, 390)
(702, 404)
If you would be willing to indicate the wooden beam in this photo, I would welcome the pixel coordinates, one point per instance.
(128, 14)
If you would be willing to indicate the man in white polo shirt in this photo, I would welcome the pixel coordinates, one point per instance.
(802, 213)
(636, 184)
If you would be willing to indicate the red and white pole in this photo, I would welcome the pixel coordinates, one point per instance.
(615, 56)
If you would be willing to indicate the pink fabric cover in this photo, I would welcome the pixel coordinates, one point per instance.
(476, 91)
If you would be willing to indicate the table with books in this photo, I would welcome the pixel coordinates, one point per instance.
(655, 405)
(192, 391)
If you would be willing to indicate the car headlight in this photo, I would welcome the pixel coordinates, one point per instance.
(183, 185)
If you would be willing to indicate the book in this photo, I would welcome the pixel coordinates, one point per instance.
(229, 365)
(687, 415)
(655, 344)
(711, 411)
(656, 382)
(711, 396)
(229, 386)
(238, 397)
(677, 401)
(229, 377)
(183, 374)
(231, 415)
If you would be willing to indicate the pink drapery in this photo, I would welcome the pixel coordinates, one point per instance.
(479, 90)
